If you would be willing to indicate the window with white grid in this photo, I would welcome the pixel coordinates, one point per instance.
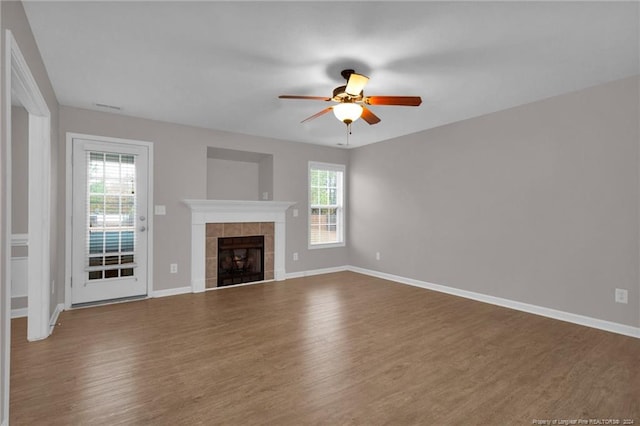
(326, 205)
(111, 210)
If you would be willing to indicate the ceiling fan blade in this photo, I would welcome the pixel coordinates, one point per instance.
(393, 100)
(356, 84)
(313, 98)
(369, 116)
(321, 113)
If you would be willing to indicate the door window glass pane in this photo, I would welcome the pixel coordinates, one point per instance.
(111, 207)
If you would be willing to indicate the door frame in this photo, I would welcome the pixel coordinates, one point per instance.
(20, 84)
(69, 207)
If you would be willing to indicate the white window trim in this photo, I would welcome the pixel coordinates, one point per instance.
(341, 226)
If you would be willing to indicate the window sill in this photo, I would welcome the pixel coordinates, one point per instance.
(326, 246)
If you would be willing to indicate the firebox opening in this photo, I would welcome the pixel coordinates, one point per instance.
(240, 260)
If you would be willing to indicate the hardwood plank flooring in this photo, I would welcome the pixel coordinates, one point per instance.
(336, 349)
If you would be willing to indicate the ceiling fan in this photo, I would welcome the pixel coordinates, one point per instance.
(351, 100)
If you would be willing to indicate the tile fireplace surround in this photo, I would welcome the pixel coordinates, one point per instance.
(244, 229)
(230, 212)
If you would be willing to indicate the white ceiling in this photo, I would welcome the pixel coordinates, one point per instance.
(221, 65)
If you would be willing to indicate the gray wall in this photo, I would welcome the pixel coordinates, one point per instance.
(5, 290)
(12, 17)
(265, 178)
(19, 194)
(232, 180)
(19, 170)
(537, 204)
(180, 166)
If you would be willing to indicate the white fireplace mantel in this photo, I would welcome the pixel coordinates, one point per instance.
(226, 211)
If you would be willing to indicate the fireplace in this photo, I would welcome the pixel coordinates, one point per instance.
(240, 260)
(214, 219)
(238, 253)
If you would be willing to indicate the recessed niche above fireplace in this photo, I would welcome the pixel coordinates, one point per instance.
(239, 175)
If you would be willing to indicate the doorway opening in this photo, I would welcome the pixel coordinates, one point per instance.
(21, 89)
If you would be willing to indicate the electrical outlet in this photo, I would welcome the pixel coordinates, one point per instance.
(295, 256)
(622, 295)
(174, 268)
(295, 212)
(377, 255)
(265, 195)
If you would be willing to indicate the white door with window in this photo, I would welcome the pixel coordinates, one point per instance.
(110, 224)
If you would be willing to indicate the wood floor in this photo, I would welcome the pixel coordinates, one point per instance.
(336, 349)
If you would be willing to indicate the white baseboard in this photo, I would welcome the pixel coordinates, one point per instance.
(54, 316)
(18, 313)
(317, 272)
(172, 291)
(613, 327)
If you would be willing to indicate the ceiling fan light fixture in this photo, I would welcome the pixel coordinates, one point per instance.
(350, 100)
(356, 84)
(347, 112)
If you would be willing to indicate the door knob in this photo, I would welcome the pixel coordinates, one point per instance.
(142, 218)
(142, 229)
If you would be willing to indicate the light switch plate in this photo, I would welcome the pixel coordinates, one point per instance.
(161, 210)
